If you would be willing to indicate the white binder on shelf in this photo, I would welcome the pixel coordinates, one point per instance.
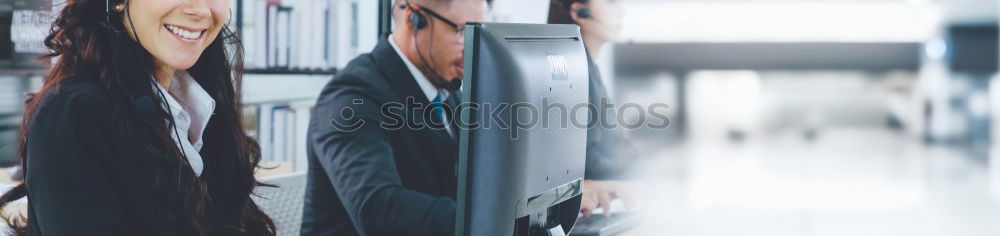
(265, 130)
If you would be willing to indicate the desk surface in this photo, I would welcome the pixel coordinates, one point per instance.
(17, 207)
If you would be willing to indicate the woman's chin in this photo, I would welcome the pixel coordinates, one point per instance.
(180, 59)
(181, 65)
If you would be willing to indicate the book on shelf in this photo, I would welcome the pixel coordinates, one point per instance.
(282, 45)
(264, 129)
(278, 135)
(272, 37)
(288, 138)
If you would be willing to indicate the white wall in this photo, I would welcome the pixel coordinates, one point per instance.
(367, 25)
(779, 21)
(520, 11)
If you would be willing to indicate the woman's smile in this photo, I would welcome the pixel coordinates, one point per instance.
(185, 34)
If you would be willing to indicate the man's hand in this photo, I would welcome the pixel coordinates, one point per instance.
(598, 194)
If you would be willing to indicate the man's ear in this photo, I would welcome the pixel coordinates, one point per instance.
(573, 9)
(401, 16)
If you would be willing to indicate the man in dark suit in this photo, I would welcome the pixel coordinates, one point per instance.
(381, 160)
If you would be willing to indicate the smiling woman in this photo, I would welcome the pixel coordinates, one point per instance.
(112, 144)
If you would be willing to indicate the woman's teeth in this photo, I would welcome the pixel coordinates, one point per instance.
(184, 33)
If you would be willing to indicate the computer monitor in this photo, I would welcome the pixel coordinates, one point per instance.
(522, 179)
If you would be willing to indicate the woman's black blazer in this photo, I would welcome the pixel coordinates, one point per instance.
(87, 175)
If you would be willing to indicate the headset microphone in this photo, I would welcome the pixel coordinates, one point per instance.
(455, 84)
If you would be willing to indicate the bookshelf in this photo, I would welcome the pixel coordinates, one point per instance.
(276, 111)
(291, 49)
(281, 71)
(304, 36)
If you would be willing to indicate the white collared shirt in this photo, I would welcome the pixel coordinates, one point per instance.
(192, 107)
(425, 84)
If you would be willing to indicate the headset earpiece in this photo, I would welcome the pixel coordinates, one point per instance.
(419, 21)
(584, 13)
(113, 6)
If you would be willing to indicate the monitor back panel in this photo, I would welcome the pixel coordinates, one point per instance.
(524, 149)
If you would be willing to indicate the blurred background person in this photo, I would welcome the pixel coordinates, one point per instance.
(608, 151)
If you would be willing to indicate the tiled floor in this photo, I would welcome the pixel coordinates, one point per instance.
(848, 182)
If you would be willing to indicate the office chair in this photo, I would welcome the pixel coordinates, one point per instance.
(284, 203)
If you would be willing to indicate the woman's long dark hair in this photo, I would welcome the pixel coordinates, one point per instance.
(89, 43)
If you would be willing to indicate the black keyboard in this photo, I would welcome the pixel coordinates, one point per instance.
(598, 225)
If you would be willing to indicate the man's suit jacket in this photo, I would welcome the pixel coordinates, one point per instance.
(372, 169)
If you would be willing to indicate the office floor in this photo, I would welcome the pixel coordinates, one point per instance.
(847, 182)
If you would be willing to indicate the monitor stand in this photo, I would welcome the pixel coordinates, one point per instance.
(556, 231)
